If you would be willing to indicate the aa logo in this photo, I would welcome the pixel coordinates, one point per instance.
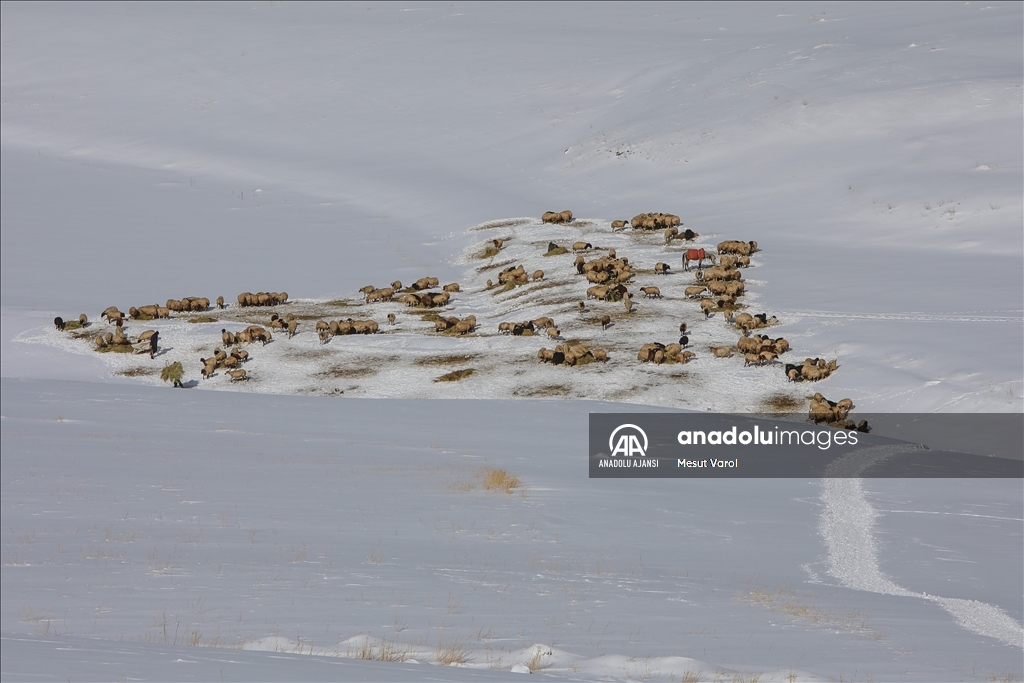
(628, 443)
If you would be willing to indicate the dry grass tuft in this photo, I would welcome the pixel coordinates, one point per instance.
(455, 375)
(342, 303)
(447, 654)
(384, 652)
(557, 251)
(781, 403)
(500, 480)
(489, 252)
(202, 319)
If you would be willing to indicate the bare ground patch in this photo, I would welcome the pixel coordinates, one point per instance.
(138, 372)
(504, 223)
(460, 359)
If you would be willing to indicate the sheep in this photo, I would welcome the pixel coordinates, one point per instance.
(767, 356)
(627, 302)
(606, 321)
(498, 243)
(219, 355)
(682, 328)
(581, 307)
(597, 292)
(600, 355)
(619, 224)
(118, 338)
(505, 328)
(293, 327)
(229, 362)
(751, 359)
(597, 276)
(651, 292)
(690, 235)
(220, 302)
(695, 291)
(83, 320)
(58, 322)
(684, 341)
(671, 234)
(538, 275)
(647, 352)
(237, 375)
(543, 322)
(706, 306)
(463, 327)
(721, 351)
(440, 299)
(662, 268)
(748, 345)
(366, 290)
(453, 287)
(209, 367)
(553, 333)
(391, 318)
(440, 325)
(490, 284)
(241, 354)
(581, 246)
(685, 356)
(110, 313)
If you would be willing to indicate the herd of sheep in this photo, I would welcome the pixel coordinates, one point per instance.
(717, 288)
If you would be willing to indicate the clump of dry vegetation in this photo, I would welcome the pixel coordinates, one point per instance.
(455, 375)
(445, 360)
(447, 654)
(202, 319)
(500, 480)
(781, 403)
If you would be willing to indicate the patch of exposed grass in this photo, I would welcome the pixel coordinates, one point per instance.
(557, 251)
(116, 348)
(492, 266)
(137, 372)
(456, 375)
(73, 325)
(506, 223)
(781, 403)
(342, 372)
(489, 252)
(203, 319)
(447, 654)
(787, 602)
(384, 652)
(430, 316)
(342, 303)
(500, 480)
(445, 360)
(540, 392)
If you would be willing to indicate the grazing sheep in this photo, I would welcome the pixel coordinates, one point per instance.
(209, 367)
(498, 243)
(463, 327)
(391, 318)
(543, 322)
(453, 287)
(293, 327)
(662, 268)
(685, 356)
(695, 291)
(690, 235)
(58, 322)
(581, 246)
(721, 351)
(597, 292)
(538, 275)
(237, 375)
(651, 292)
(619, 225)
(706, 306)
(83, 320)
(366, 290)
(440, 325)
(605, 322)
(684, 341)
(110, 313)
(220, 302)
(241, 354)
(118, 338)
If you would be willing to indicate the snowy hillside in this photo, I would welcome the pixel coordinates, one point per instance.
(874, 152)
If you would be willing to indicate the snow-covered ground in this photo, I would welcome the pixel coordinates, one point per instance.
(874, 152)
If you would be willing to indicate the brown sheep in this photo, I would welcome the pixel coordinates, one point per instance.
(538, 275)
(706, 306)
(453, 287)
(721, 351)
(209, 367)
(581, 246)
(463, 327)
(619, 225)
(220, 302)
(600, 355)
(553, 332)
(391, 318)
(605, 322)
(83, 320)
(597, 292)
(241, 354)
(293, 327)
(237, 375)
